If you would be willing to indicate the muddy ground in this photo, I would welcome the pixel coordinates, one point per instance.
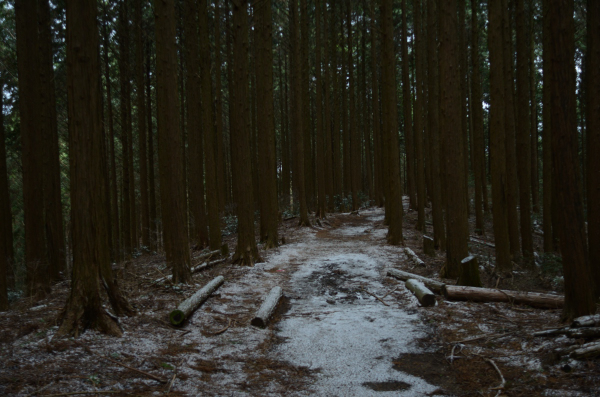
(342, 329)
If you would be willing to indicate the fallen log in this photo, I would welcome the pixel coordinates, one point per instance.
(584, 332)
(208, 255)
(411, 254)
(267, 308)
(189, 305)
(433, 285)
(552, 332)
(423, 294)
(565, 351)
(589, 350)
(587, 321)
(195, 269)
(476, 294)
(478, 241)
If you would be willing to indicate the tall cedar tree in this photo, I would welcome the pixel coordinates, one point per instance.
(407, 104)
(151, 179)
(222, 179)
(524, 130)
(579, 300)
(337, 154)
(170, 154)
(266, 124)
(246, 252)
(6, 242)
(439, 232)
(55, 239)
(309, 180)
(125, 107)
(353, 133)
(114, 190)
(393, 199)
(321, 168)
(141, 116)
(194, 122)
(296, 106)
(377, 141)
(419, 120)
(510, 142)
(593, 143)
(454, 159)
(497, 138)
(548, 205)
(208, 123)
(28, 59)
(89, 221)
(477, 144)
(328, 121)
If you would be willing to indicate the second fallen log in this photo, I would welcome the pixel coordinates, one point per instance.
(433, 285)
(475, 294)
(424, 295)
(267, 308)
(189, 305)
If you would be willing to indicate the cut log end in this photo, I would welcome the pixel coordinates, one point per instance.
(258, 322)
(176, 317)
(423, 294)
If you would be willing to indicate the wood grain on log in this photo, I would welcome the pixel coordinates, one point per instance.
(433, 285)
(189, 305)
(267, 308)
(424, 295)
(589, 350)
(475, 294)
(587, 321)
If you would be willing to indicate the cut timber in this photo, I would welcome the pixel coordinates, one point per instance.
(411, 254)
(433, 285)
(267, 308)
(534, 299)
(586, 332)
(423, 294)
(589, 350)
(478, 241)
(188, 306)
(469, 272)
(428, 246)
(552, 332)
(587, 321)
(194, 269)
(207, 256)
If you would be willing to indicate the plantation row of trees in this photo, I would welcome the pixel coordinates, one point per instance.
(131, 127)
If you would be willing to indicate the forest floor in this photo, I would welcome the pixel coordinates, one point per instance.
(329, 337)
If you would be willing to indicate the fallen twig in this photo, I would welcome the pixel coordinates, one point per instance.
(223, 330)
(74, 393)
(375, 296)
(501, 386)
(452, 353)
(173, 378)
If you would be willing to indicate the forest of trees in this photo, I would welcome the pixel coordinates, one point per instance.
(135, 127)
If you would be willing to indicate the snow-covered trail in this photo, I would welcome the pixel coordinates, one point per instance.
(348, 338)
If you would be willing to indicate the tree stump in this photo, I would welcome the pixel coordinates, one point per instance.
(469, 272)
(428, 247)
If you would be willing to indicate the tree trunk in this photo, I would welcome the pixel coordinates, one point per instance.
(523, 132)
(321, 131)
(6, 242)
(457, 231)
(474, 294)
(439, 232)
(393, 198)
(28, 58)
(141, 114)
(269, 210)
(409, 136)
(378, 156)
(151, 179)
(246, 252)
(328, 124)
(579, 299)
(593, 140)
(511, 183)
(305, 108)
(88, 216)
(170, 155)
(434, 285)
(419, 120)
(222, 179)
(497, 138)
(547, 212)
(353, 133)
(55, 239)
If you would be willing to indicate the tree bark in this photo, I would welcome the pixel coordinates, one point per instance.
(151, 178)
(434, 285)
(88, 217)
(28, 61)
(419, 119)
(378, 155)
(497, 138)
(188, 306)
(393, 199)
(457, 227)
(409, 136)
(579, 299)
(321, 131)
(422, 293)
(170, 155)
(474, 294)
(268, 307)
(547, 212)
(6, 242)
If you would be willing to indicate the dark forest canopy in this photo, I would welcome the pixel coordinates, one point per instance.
(213, 117)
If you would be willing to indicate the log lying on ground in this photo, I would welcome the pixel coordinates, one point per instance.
(589, 350)
(411, 254)
(433, 285)
(475, 294)
(552, 332)
(587, 321)
(584, 332)
(423, 294)
(478, 241)
(195, 269)
(189, 305)
(267, 308)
